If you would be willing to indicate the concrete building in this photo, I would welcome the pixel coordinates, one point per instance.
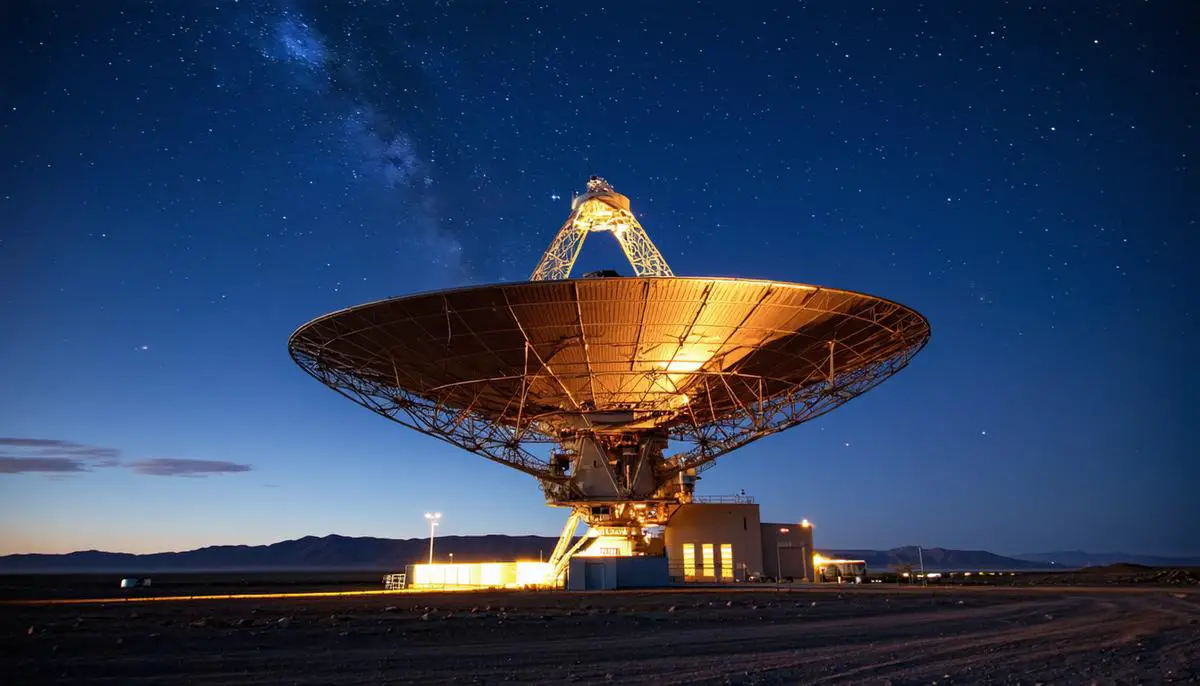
(714, 541)
(721, 539)
(788, 551)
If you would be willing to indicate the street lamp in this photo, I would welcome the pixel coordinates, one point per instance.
(433, 518)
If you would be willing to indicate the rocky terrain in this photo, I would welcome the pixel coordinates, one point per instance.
(872, 634)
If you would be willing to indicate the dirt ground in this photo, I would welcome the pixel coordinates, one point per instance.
(873, 635)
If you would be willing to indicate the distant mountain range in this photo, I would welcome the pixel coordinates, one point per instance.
(308, 553)
(364, 553)
(936, 559)
(1079, 558)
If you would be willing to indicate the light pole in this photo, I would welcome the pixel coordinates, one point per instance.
(779, 558)
(806, 551)
(921, 557)
(433, 518)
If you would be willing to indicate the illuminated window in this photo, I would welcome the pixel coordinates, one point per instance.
(689, 560)
(727, 561)
(709, 568)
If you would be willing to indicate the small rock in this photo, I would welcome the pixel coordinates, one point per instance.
(283, 622)
(390, 608)
(425, 617)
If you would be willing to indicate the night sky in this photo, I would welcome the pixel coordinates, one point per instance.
(184, 183)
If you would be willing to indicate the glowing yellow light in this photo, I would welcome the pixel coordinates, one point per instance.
(784, 531)
(595, 215)
(727, 561)
(533, 573)
(683, 366)
(491, 574)
(805, 523)
(421, 575)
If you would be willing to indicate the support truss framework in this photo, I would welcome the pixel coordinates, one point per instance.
(432, 417)
(600, 209)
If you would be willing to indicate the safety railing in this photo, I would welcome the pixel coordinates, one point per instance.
(724, 499)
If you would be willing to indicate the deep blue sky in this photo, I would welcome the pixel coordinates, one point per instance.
(185, 183)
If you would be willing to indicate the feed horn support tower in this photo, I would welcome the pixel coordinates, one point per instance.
(613, 392)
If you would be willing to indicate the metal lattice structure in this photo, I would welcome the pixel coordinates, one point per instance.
(600, 209)
(613, 392)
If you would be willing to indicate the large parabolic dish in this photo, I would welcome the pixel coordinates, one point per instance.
(635, 382)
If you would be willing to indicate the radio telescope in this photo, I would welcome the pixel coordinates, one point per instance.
(613, 392)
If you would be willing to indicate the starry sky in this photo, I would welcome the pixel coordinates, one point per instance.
(182, 184)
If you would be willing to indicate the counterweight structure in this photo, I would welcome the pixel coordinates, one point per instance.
(614, 393)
